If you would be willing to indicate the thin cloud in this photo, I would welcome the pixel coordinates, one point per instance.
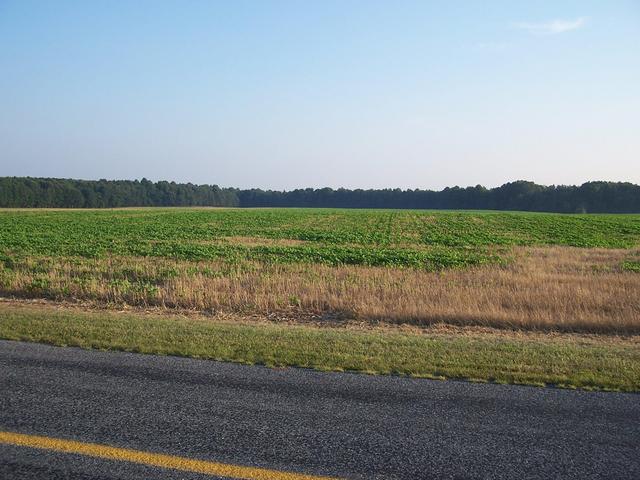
(552, 27)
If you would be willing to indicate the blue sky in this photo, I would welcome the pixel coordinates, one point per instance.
(285, 94)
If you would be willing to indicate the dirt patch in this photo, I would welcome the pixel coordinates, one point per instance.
(252, 241)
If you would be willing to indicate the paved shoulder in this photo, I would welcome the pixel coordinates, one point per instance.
(300, 421)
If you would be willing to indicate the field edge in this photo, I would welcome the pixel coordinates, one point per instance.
(588, 362)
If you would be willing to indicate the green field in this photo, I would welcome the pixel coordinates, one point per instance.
(322, 271)
(418, 239)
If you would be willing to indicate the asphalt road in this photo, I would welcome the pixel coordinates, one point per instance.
(341, 425)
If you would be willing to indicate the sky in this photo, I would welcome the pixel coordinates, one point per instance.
(289, 94)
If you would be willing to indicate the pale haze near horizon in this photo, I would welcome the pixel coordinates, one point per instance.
(356, 94)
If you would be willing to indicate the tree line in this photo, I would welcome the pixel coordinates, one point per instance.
(68, 193)
(590, 197)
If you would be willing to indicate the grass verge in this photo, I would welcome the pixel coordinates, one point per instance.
(571, 361)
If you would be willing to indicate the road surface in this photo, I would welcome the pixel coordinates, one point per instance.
(253, 419)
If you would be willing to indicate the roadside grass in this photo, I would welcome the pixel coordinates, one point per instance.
(570, 361)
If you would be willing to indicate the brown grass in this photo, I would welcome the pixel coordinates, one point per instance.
(256, 241)
(551, 288)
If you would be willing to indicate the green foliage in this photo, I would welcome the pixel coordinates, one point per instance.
(396, 238)
(68, 193)
(592, 197)
(39, 284)
(6, 261)
(631, 266)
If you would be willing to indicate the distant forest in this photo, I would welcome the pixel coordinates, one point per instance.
(591, 197)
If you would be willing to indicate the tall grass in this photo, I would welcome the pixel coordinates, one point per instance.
(540, 288)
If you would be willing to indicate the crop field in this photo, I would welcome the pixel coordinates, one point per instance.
(507, 270)
(421, 239)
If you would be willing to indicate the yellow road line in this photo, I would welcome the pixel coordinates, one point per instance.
(152, 459)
